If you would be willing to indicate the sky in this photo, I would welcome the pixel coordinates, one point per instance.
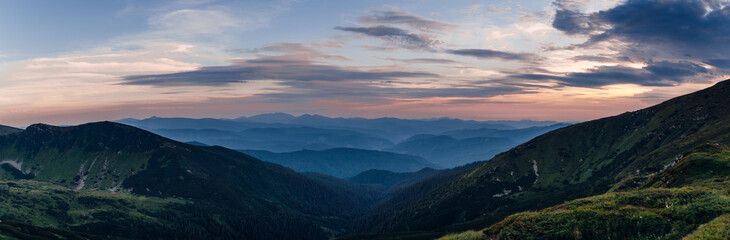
(70, 62)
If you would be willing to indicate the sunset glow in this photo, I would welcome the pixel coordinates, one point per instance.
(412, 59)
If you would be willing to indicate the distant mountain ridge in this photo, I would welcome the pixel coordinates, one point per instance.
(283, 139)
(392, 129)
(343, 162)
(280, 132)
(459, 147)
(450, 152)
(279, 117)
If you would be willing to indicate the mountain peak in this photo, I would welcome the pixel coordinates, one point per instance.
(39, 126)
(270, 117)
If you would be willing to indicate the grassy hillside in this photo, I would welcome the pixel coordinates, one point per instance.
(105, 214)
(343, 162)
(677, 203)
(251, 198)
(13, 230)
(645, 214)
(595, 157)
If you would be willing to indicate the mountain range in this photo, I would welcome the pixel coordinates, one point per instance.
(343, 162)
(283, 139)
(390, 129)
(459, 147)
(459, 141)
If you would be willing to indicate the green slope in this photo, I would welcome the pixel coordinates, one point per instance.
(52, 208)
(695, 206)
(13, 230)
(252, 199)
(580, 160)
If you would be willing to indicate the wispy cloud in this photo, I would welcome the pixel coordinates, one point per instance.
(425, 61)
(396, 35)
(405, 30)
(662, 73)
(401, 18)
(494, 54)
(269, 68)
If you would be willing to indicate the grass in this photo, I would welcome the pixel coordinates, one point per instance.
(45, 205)
(718, 229)
(688, 200)
(468, 235)
(643, 214)
(102, 170)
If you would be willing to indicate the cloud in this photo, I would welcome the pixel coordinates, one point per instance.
(573, 23)
(720, 63)
(400, 18)
(369, 92)
(405, 30)
(426, 61)
(600, 58)
(399, 36)
(676, 41)
(194, 21)
(294, 51)
(494, 54)
(661, 73)
(676, 71)
(670, 28)
(268, 68)
(478, 9)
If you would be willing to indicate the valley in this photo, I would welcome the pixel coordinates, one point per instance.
(365, 120)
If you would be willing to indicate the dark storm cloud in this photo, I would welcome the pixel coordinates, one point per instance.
(692, 29)
(493, 54)
(655, 74)
(397, 35)
(688, 33)
(675, 71)
(572, 22)
(400, 18)
(267, 69)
